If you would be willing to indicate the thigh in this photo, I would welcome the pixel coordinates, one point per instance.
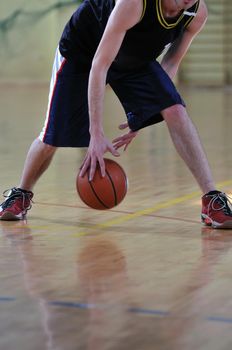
(144, 94)
(67, 120)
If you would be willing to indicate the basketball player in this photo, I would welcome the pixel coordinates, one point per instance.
(117, 43)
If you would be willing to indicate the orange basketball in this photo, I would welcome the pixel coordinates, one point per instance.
(103, 192)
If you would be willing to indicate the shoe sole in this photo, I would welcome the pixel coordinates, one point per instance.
(8, 216)
(214, 224)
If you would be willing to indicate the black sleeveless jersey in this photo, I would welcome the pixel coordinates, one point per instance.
(143, 42)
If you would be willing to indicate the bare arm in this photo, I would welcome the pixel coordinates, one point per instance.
(179, 48)
(119, 22)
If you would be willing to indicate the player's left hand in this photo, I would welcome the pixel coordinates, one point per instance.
(124, 140)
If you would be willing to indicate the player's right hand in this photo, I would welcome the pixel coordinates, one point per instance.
(98, 146)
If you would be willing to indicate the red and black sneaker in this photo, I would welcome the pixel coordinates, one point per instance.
(216, 210)
(16, 204)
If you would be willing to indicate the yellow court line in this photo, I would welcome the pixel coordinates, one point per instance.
(224, 184)
(127, 217)
(150, 210)
(139, 213)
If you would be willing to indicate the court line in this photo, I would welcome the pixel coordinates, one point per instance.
(133, 215)
(137, 310)
(128, 215)
(157, 207)
(134, 310)
(6, 299)
(220, 319)
(144, 212)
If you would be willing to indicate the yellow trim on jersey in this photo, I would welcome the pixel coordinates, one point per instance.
(144, 9)
(191, 18)
(162, 19)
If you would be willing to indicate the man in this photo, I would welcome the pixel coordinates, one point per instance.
(117, 42)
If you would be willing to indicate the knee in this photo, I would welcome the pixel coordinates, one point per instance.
(45, 148)
(176, 113)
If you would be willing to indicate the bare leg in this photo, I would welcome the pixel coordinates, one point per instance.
(188, 145)
(38, 159)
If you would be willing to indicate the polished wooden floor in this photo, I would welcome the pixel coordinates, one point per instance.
(144, 276)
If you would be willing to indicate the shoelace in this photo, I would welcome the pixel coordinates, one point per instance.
(223, 200)
(13, 196)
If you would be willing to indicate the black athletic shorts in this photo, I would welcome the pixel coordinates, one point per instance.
(143, 93)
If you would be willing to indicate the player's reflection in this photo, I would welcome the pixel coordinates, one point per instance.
(16, 231)
(102, 270)
(82, 301)
(102, 273)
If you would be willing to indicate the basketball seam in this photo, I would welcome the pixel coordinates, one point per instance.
(92, 188)
(125, 177)
(112, 183)
(126, 182)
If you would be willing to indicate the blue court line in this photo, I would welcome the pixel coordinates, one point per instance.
(6, 299)
(148, 311)
(134, 310)
(219, 319)
(73, 304)
(99, 306)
